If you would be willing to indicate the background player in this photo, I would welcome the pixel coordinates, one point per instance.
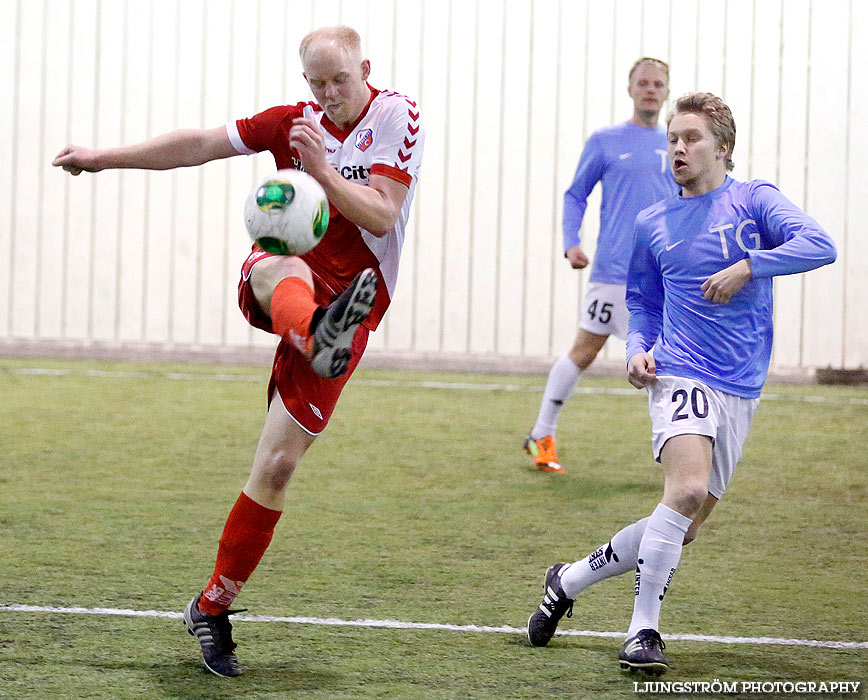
(699, 291)
(364, 146)
(629, 159)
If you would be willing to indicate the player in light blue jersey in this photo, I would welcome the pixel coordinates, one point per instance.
(699, 291)
(629, 160)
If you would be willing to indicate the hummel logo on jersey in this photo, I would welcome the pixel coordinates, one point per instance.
(315, 410)
(672, 245)
(364, 138)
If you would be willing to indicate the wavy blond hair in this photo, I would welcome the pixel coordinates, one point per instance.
(717, 115)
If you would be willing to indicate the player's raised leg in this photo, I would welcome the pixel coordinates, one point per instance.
(562, 380)
(564, 582)
(333, 334)
(283, 287)
(246, 535)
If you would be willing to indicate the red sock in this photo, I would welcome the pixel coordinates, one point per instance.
(292, 308)
(245, 538)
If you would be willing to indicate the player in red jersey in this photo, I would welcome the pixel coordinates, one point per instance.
(364, 146)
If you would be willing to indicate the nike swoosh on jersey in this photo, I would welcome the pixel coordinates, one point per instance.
(672, 245)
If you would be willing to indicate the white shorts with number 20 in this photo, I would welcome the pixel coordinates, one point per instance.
(604, 309)
(681, 406)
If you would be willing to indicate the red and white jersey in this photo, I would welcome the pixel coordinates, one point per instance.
(387, 140)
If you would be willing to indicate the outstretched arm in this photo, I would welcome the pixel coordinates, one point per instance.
(177, 149)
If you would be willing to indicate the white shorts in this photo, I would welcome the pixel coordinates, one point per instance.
(681, 406)
(604, 309)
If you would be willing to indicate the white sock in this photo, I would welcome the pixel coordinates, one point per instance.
(617, 557)
(659, 553)
(563, 377)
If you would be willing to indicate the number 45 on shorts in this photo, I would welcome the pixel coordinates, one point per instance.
(605, 314)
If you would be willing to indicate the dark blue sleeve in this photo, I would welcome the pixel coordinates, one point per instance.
(645, 293)
(799, 242)
(588, 174)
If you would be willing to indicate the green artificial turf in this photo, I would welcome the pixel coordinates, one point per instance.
(417, 504)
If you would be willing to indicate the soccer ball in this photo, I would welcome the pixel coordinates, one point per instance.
(287, 213)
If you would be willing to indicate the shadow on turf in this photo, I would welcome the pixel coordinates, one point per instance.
(700, 661)
(564, 643)
(188, 680)
(740, 663)
(596, 487)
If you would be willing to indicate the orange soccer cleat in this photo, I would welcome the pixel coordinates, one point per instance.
(544, 453)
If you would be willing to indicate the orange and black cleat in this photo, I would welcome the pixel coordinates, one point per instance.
(544, 453)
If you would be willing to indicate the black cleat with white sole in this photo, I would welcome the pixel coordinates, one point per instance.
(214, 633)
(644, 652)
(541, 625)
(333, 336)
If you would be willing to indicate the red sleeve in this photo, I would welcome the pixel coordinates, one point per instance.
(393, 172)
(269, 130)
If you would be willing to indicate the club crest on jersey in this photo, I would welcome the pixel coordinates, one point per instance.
(364, 138)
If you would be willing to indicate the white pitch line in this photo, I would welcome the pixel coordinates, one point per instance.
(414, 384)
(397, 624)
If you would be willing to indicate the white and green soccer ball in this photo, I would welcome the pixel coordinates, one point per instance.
(287, 213)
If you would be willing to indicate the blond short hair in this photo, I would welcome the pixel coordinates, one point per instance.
(717, 115)
(645, 60)
(345, 36)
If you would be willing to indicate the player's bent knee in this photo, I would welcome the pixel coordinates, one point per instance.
(689, 499)
(268, 273)
(276, 472)
(586, 348)
(583, 357)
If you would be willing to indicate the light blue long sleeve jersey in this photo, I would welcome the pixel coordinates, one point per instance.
(631, 163)
(679, 243)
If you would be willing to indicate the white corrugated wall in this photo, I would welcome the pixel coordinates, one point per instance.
(509, 91)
